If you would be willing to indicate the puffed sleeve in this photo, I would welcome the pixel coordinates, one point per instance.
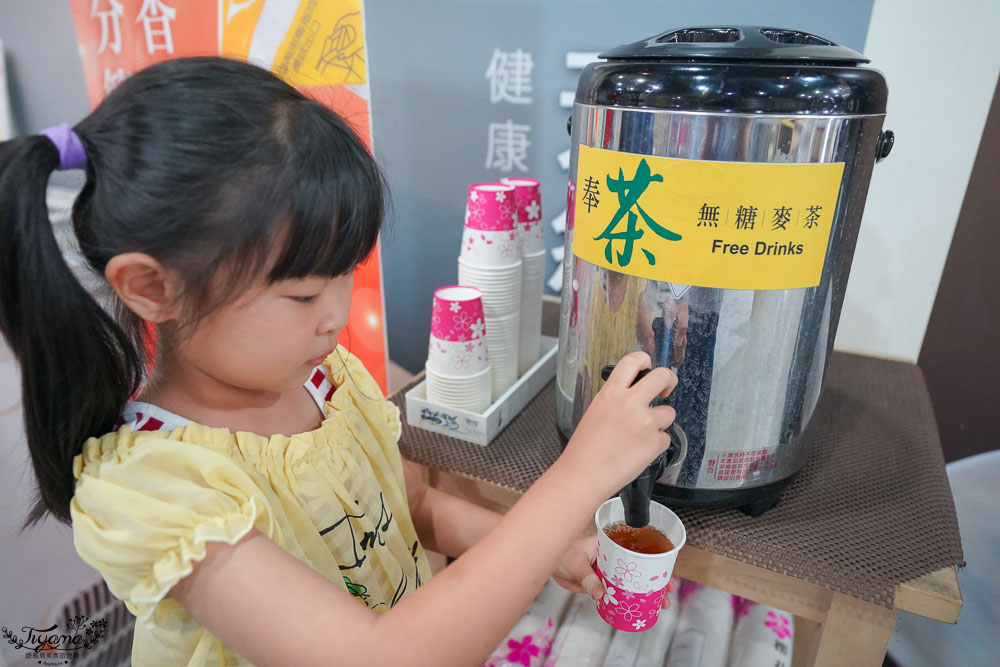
(145, 509)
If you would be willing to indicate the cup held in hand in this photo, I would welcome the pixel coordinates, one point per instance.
(635, 583)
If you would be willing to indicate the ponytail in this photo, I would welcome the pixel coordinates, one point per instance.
(78, 367)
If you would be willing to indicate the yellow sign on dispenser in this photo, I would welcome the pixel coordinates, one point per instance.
(731, 225)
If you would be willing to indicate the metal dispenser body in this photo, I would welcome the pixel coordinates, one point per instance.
(717, 182)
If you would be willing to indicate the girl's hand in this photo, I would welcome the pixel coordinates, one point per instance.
(576, 571)
(620, 434)
(671, 587)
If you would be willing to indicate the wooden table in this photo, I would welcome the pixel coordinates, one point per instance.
(832, 629)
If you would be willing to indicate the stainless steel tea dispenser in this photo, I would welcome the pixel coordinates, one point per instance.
(717, 181)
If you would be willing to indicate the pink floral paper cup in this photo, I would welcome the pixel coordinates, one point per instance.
(528, 212)
(490, 207)
(458, 343)
(458, 313)
(634, 583)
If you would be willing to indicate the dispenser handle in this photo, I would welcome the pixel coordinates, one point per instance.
(671, 453)
(607, 370)
(886, 140)
(606, 373)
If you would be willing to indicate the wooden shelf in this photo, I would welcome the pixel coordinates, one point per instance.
(833, 629)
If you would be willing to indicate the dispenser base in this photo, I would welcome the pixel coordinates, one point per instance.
(752, 501)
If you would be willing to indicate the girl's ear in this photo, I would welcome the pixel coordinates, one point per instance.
(144, 285)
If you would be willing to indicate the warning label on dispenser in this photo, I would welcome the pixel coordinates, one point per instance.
(731, 225)
(736, 466)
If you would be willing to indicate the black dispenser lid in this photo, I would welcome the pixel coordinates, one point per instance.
(740, 43)
(735, 69)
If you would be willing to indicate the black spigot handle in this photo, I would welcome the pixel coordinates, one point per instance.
(607, 370)
(606, 373)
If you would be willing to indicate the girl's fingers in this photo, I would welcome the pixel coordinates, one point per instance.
(627, 369)
(658, 382)
(591, 585)
(576, 568)
(671, 587)
(664, 415)
(569, 584)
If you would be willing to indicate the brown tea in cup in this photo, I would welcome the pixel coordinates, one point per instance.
(645, 540)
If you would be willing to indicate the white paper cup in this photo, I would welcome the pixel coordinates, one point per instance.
(490, 248)
(457, 383)
(529, 343)
(501, 288)
(532, 286)
(477, 405)
(635, 583)
(502, 325)
(491, 272)
(505, 338)
(502, 334)
(534, 259)
(458, 357)
(502, 381)
(472, 393)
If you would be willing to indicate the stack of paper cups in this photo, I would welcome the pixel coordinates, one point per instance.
(490, 261)
(763, 635)
(583, 638)
(458, 363)
(534, 634)
(529, 213)
(529, 229)
(704, 627)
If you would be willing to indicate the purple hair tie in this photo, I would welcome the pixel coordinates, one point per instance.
(67, 142)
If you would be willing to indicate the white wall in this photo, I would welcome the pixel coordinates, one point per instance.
(941, 60)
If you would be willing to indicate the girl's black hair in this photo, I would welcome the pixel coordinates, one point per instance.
(198, 162)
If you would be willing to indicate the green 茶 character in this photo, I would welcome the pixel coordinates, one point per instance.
(629, 192)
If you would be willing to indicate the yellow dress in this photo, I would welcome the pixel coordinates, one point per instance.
(147, 504)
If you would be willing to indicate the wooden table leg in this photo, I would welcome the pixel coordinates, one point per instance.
(806, 631)
(854, 633)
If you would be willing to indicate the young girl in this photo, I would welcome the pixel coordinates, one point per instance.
(246, 498)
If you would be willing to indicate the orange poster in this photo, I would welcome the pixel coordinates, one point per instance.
(119, 37)
(239, 18)
(316, 45)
